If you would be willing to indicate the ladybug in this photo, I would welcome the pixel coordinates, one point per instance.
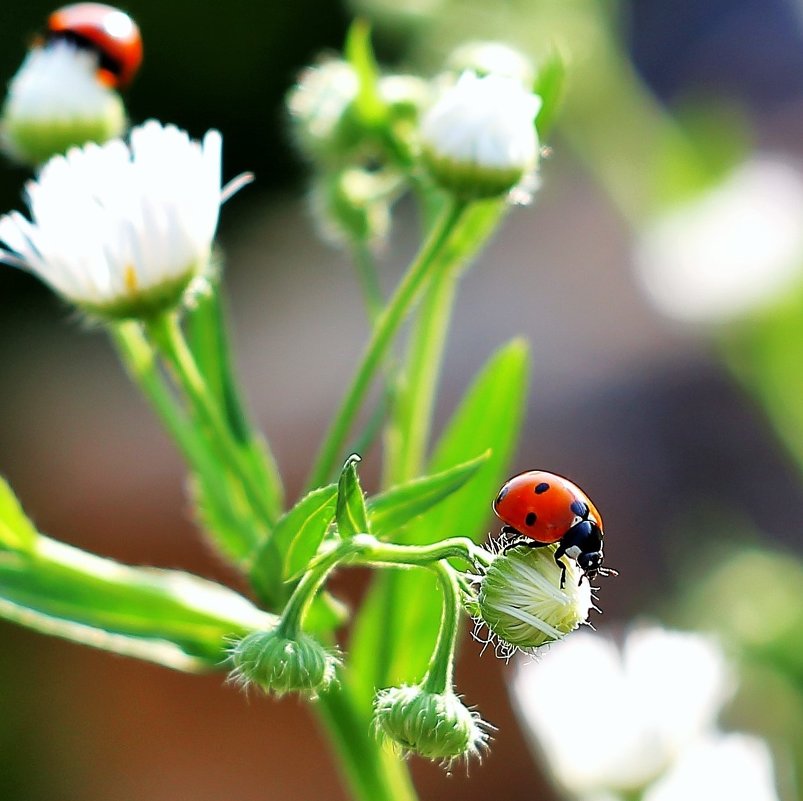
(108, 32)
(542, 508)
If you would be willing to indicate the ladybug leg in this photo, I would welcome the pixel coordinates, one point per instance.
(559, 553)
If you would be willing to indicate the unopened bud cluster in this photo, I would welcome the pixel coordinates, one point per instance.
(279, 664)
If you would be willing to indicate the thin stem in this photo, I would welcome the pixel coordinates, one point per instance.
(416, 400)
(368, 278)
(386, 327)
(439, 676)
(140, 362)
(167, 334)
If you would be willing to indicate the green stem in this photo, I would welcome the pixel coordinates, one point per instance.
(209, 342)
(385, 329)
(364, 549)
(167, 334)
(140, 362)
(439, 676)
(372, 773)
(369, 281)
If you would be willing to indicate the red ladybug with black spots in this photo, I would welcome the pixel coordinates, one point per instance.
(542, 508)
(105, 30)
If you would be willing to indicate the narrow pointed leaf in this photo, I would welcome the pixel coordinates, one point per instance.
(392, 510)
(293, 543)
(17, 533)
(352, 516)
(360, 55)
(163, 616)
(550, 85)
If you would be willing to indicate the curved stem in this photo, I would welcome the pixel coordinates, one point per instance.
(439, 676)
(385, 329)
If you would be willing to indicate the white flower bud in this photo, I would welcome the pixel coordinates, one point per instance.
(479, 138)
(520, 600)
(55, 102)
(492, 58)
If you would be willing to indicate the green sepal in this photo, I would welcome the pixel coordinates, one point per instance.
(351, 515)
(368, 105)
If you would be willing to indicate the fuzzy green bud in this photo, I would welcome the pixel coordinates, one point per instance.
(435, 725)
(521, 602)
(353, 205)
(279, 664)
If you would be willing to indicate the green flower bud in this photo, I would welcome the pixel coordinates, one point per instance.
(279, 664)
(434, 725)
(320, 107)
(520, 601)
(55, 102)
(353, 205)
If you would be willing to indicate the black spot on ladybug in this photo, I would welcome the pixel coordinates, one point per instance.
(501, 496)
(542, 487)
(579, 508)
(531, 518)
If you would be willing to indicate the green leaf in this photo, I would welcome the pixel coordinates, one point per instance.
(397, 626)
(393, 509)
(352, 517)
(360, 55)
(550, 85)
(294, 542)
(163, 616)
(16, 531)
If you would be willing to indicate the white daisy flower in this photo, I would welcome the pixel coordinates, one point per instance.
(479, 138)
(121, 230)
(650, 700)
(733, 766)
(55, 101)
(730, 250)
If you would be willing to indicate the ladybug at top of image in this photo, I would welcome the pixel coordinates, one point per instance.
(542, 508)
(105, 30)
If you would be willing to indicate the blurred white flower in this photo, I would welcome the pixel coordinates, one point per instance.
(492, 58)
(736, 247)
(736, 767)
(661, 691)
(479, 137)
(56, 101)
(121, 230)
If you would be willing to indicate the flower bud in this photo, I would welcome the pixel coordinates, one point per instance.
(492, 58)
(434, 725)
(521, 602)
(279, 664)
(479, 139)
(320, 107)
(55, 102)
(353, 205)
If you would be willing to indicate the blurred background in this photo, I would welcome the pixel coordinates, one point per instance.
(666, 424)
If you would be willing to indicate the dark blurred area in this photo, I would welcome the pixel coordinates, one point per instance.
(637, 409)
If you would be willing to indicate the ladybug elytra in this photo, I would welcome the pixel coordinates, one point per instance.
(105, 30)
(542, 508)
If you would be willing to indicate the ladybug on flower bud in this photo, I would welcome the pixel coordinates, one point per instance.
(108, 32)
(542, 508)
